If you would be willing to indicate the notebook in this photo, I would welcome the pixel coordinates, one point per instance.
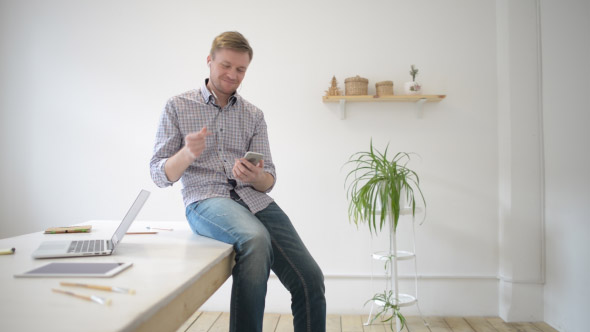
(92, 247)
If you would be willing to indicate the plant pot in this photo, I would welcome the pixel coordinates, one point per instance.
(412, 88)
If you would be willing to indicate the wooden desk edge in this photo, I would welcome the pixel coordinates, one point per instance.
(175, 313)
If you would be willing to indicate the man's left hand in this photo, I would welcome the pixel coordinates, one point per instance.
(247, 172)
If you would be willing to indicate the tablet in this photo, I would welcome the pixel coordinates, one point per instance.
(79, 269)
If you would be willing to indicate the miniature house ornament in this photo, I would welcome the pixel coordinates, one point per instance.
(333, 90)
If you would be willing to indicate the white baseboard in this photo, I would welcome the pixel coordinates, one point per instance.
(347, 294)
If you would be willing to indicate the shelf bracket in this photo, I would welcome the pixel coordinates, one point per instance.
(342, 109)
(420, 107)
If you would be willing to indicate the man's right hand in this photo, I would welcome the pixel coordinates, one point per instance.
(195, 143)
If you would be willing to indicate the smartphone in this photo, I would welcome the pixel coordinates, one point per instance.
(253, 157)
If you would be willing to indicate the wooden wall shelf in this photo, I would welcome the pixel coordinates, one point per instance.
(369, 98)
(418, 99)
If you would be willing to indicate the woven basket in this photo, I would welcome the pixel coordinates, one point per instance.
(384, 88)
(356, 86)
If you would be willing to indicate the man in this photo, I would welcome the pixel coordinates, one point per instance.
(201, 140)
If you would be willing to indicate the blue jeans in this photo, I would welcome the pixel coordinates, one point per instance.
(263, 241)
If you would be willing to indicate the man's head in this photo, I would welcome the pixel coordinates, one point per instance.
(232, 40)
(228, 61)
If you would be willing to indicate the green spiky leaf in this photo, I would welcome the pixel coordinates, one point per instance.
(376, 185)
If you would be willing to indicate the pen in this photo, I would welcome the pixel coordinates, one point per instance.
(162, 229)
(132, 233)
(105, 288)
(8, 251)
(91, 298)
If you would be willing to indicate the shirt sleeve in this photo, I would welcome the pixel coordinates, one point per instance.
(260, 144)
(168, 142)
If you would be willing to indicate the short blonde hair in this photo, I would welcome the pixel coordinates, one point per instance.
(232, 40)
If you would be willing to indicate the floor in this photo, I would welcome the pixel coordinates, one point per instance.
(219, 322)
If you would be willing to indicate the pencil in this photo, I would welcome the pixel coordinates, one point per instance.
(90, 298)
(100, 287)
(135, 233)
(8, 251)
(162, 229)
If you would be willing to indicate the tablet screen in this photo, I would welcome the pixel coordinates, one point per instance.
(80, 269)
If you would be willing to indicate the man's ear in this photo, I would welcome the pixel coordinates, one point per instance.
(209, 60)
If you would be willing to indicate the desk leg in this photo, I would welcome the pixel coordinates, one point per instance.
(171, 316)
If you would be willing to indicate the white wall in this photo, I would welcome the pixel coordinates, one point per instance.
(82, 85)
(520, 162)
(566, 50)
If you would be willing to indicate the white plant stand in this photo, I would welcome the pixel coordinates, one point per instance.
(394, 255)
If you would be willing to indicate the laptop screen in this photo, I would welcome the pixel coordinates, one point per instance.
(130, 217)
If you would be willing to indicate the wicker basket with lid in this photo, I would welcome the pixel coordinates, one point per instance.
(384, 88)
(356, 86)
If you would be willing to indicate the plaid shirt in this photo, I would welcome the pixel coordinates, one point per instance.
(238, 127)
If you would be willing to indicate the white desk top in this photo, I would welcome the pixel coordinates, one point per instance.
(165, 266)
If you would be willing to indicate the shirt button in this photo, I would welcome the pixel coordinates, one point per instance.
(220, 129)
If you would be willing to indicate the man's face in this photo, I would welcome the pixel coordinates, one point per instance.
(227, 70)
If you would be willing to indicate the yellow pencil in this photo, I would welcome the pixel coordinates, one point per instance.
(8, 251)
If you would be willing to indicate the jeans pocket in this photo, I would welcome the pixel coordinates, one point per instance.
(192, 207)
(191, 213)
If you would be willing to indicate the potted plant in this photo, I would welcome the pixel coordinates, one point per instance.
(413, 87)
(378, 189)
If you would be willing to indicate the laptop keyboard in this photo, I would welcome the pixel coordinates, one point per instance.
(86, 246)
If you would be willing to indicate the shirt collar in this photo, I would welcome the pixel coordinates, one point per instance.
(209, 98)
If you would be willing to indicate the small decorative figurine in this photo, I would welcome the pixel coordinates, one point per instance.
(333, 90)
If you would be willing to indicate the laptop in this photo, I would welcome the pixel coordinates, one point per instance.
(92, 247)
